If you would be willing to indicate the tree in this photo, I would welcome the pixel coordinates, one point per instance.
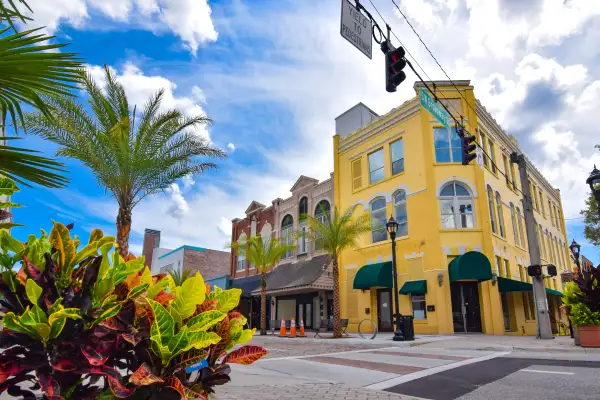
(263, 255)
(30, 68)
(178, 276)
(591, 219)
(335, 234)
(131, 156)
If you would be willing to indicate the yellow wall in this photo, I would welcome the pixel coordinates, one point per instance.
(425, 252)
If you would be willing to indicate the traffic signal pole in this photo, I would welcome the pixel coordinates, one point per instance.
(544, 329)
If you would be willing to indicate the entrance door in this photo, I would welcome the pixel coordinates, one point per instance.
(305, 311)
(466, 313)
(384, 310)
(505, 312)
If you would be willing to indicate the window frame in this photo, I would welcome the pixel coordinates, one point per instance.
(501, 226)
(421, 300)
(240, 257)
(371, 182)
(520, 222)
(457, 215)
(506, 170)
(286, 235)
(355, 179)
(450, 148)
(513, 220)
(392, 161)
(321, 217)
(492, 154)
(399, 220)
(371, 219)
(491, 206)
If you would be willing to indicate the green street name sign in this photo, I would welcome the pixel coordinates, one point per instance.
(435, 109)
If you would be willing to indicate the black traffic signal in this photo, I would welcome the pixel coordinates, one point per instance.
(468, 149)
(394, 64)
(534, 270)
(551, 269)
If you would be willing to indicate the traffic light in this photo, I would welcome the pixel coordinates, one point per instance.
(394, 64)
(551, 269)
(534, 270)
(468, 149)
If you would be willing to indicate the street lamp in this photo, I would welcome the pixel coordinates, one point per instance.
(594, 182)
(575, 250)
(392, 228)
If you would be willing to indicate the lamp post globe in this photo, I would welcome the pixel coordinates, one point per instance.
(594, 181)
(392, 228)
(575, 250)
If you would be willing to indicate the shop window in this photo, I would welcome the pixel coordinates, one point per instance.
(418, 306)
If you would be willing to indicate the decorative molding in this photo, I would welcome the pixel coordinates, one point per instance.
(379, 259)
(389, 257)
(447, 250)
(416, 192)
(461, 250)
(477, 248)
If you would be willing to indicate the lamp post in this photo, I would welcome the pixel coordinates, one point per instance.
(575, 250)
(594, 182)
(392, 228)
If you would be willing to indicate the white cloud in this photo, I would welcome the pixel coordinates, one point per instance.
(188, 181)
(190, 20)
(231, 146)
(179, 206)
(140, 87)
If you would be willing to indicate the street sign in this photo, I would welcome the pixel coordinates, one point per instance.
(435, 109)
(356, 28)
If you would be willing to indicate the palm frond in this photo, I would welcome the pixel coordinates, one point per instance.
(262, 253)
(9, 11)
(178, 276)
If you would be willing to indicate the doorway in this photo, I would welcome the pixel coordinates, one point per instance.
(305, 311)
(466, 311)
(384, 310)
(505, 311)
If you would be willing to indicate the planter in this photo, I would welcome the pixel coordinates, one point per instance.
(589, 335)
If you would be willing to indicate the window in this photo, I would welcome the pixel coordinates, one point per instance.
(486, 161)
(535, 198)
(561, 220)
(499, 266)
(512, 175)
(551, 212)
(356, 174)
(321, 213)
(456, 206)
(418, 306)
(376, 170)
(528, 306)
(302, 239)
(500, 215)
(549, 247)
(506, 169)
(287, 226)
(520, 222)
(397, 151)
(522, 274)
(241, 255)
(543, 210)
(400, 213)
(507, 269)
(491, 207)
(513, 220)
(447, 145)
(542, 243)
(492, 155)
(378, 221)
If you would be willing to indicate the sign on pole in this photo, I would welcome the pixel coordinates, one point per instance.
(356, 28)
(435, 109)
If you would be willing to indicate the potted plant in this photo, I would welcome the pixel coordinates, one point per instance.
(87, 324)
(582, 300)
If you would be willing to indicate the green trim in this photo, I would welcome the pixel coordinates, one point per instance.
(414, 287)
(472, 265)
(373, 275)
(554, 292)
(510, 285)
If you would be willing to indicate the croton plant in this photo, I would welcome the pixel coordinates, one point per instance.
(80, 322)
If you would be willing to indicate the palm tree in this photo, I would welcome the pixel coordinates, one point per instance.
(334, 234)
(29, 69)
(131, 156)
(263, 255)
(178, 276)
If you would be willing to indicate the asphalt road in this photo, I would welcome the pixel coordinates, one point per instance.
(510, 378)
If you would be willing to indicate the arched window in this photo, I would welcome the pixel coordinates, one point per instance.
(491, 207)
(500, 215)
(400, 213)
(302, 224)
(303, 206)
(241, 255)
(513, 220)
(520, 222)
(322, 211)
(542, 242)
(456, 206)
(378, 227)
(287, 227)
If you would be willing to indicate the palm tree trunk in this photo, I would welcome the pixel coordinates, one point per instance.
(263, 303)
(123, 229)
(337, 322)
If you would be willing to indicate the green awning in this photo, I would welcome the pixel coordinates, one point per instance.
(414, 287)
(372, 275)
(472, 265)
(554, 292)
(510, 285)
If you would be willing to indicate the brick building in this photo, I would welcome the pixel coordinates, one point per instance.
(301, 284)
(211, 263)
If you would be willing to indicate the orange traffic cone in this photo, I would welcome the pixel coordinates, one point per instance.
(293, 328)
(282, 332)
(302, 327)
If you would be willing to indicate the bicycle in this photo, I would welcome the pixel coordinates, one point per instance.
(373, 325)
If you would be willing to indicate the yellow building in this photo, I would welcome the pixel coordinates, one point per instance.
(462, 246)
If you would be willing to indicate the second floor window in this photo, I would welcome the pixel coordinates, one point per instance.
(520, 223)
(397, 151)
(513, 220)
(400, 213)
(447, 145)
(378, 221)
(322, 211)
(241, 256)
(490, 194)
(500, 215)
(376, 167)
(287, 233)
(456, 206)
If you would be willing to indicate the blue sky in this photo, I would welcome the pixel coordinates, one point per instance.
(273, 75)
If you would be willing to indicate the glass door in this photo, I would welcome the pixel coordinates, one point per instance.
(466, 312)
(384, 310)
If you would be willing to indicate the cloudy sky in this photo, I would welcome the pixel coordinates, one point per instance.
(273, 75)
